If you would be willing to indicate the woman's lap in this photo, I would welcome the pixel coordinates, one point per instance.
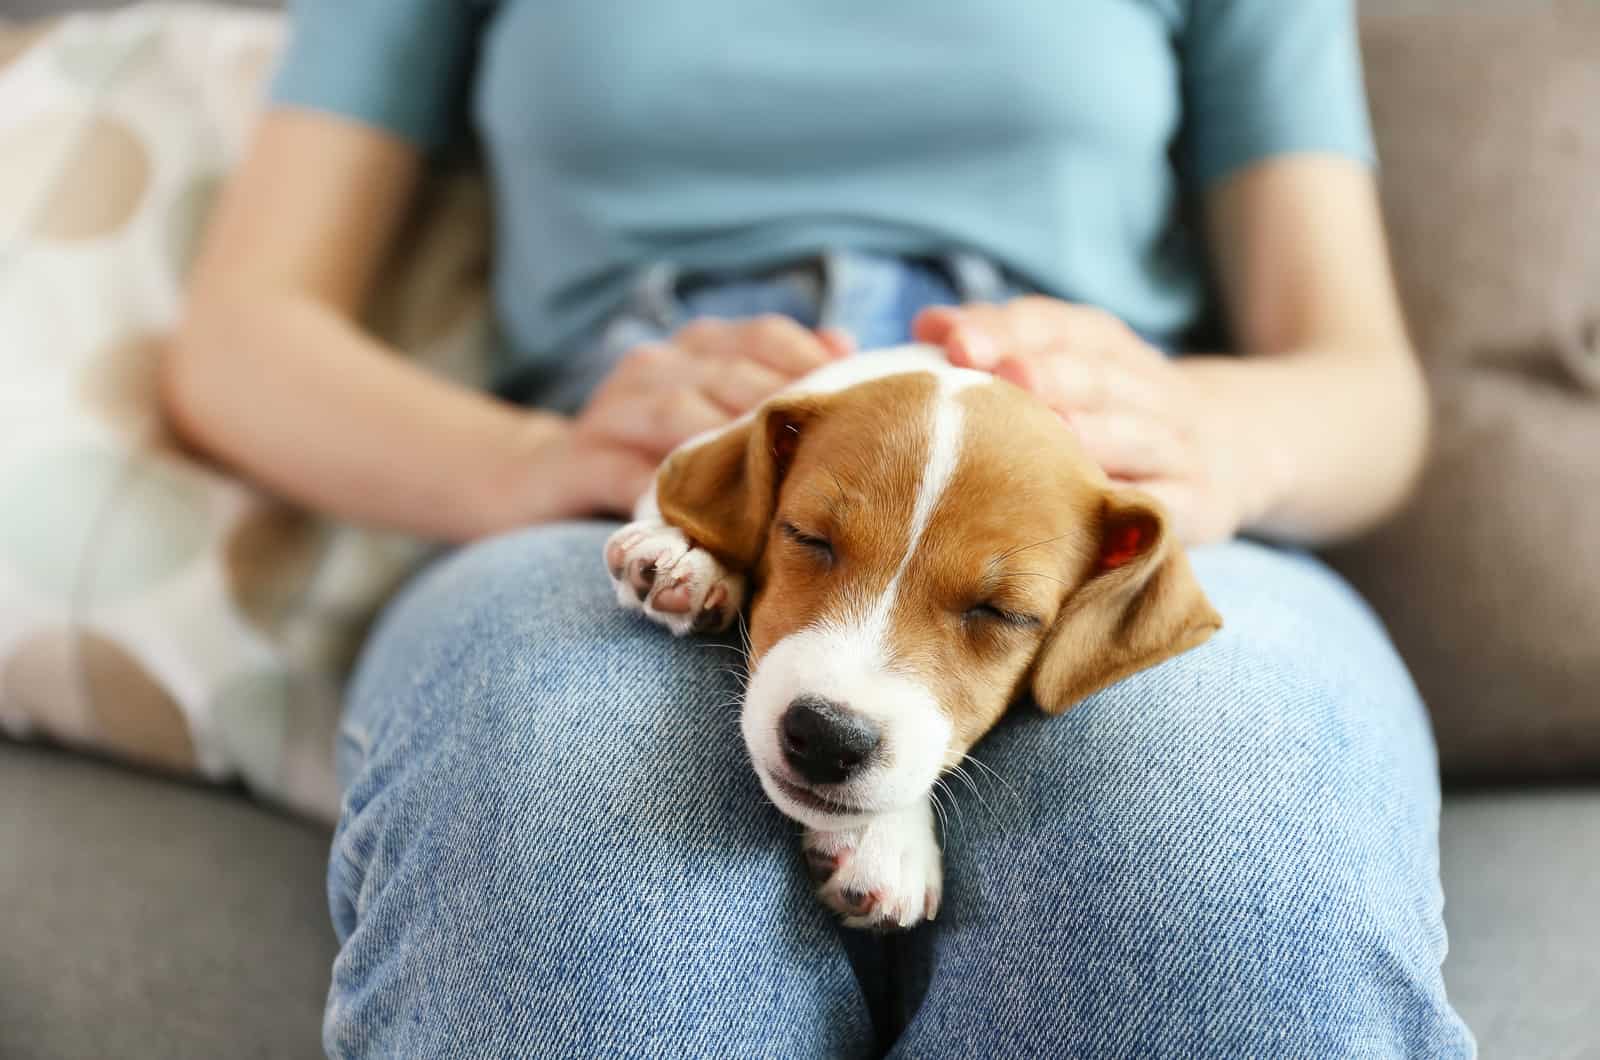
(553, 844)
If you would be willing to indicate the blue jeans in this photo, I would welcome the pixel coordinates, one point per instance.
(552, 845)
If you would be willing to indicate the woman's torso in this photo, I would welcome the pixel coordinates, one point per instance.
(731, 135)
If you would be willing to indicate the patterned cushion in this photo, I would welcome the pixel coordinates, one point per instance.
(153, 608)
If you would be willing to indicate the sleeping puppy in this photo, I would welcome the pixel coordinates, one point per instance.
(921, 545)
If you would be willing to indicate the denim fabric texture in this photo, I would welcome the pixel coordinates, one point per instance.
(552, 844)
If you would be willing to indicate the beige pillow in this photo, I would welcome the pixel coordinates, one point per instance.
(153, 608)
(1488, 127)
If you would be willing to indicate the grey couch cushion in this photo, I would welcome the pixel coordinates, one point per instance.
(144, 918)
(1522, 900)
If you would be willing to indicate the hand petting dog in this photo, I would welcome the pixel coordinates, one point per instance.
(1142, 416)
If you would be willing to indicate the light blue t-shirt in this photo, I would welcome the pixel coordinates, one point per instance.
(1060, 138)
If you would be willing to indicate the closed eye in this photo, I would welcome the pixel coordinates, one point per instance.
(820, 546)
(993, 613)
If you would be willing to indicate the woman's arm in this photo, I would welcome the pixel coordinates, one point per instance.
(269, 372)
(1328, 404)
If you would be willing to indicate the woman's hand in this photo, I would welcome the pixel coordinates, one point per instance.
(1139, 414)
(660, 395)
(709, 372)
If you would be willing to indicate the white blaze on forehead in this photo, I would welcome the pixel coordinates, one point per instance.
(946, 421)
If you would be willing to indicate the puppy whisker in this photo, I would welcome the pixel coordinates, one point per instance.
(938, 811)
(955, 806)
(713, 646)
(994, 774)
(966, 778)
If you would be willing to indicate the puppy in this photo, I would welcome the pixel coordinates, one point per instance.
(921, 545)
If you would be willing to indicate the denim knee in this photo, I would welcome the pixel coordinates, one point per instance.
(1233, 854)
(552, 844)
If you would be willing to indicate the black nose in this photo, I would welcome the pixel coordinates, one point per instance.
(825, 742)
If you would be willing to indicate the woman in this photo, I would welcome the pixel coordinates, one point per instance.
(551, 844)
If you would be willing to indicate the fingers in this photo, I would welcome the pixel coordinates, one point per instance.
(774, 341)
(981, 335)
(739, 386)
(1131, 446)
(734, 385)
(840, 343)
(784, 346)
(654, 420)
(976, 335)
(1074, 384)
(934, 324)
(645, 367)
(664, 393)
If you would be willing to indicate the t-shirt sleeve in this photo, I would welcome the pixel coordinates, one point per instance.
(1271, 77)
(398, 65)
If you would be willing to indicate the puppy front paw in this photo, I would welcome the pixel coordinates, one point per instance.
(885, 875)
(656, 569)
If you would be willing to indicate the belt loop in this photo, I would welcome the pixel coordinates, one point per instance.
(655, 295)
(976, 278)
(834, 266)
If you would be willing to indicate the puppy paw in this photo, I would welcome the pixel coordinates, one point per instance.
(886, 875)
(657, 570)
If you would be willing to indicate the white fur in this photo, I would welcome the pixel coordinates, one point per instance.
(897, 360)
(676, 565)
(844, 663)
(893, 858)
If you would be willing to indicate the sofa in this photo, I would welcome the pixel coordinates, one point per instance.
(149, 916)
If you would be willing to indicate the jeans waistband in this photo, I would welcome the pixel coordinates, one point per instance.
(836, 281)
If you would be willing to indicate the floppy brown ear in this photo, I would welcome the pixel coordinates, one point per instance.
(722, 492)
(1140, 605)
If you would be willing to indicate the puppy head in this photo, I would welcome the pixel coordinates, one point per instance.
(925, 548)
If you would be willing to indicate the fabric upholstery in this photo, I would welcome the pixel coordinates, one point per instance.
(153, 607)
(146, 919)
(1522, 903)
(1490, 579)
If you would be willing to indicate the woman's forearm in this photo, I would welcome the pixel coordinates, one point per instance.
(1331, 440)
(294, 395)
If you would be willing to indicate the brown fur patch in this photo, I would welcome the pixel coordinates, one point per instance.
(854, 481)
